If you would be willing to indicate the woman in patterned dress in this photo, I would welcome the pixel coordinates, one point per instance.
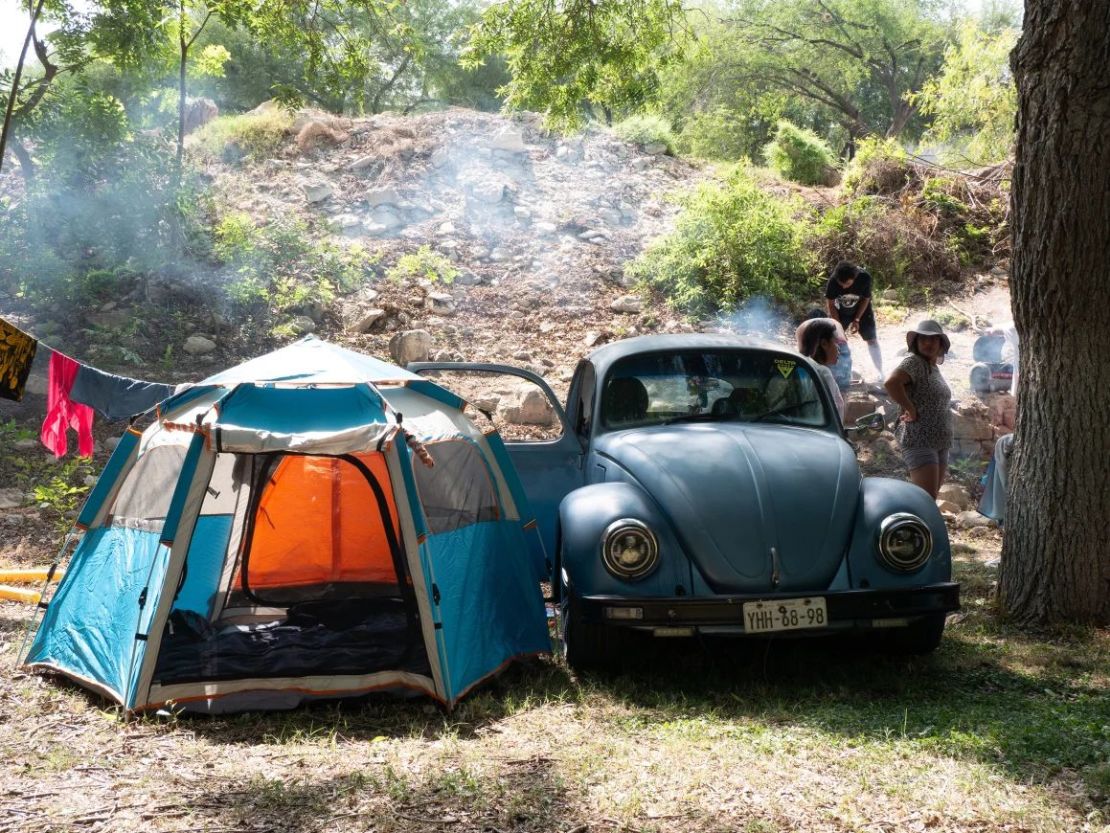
(924, 430)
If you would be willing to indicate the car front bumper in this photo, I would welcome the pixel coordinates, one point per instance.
(847, 609)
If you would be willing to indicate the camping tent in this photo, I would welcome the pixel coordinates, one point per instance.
(312, 523)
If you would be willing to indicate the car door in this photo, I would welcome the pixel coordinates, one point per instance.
(549, 467)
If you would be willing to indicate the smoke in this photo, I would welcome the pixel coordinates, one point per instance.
(757, 318)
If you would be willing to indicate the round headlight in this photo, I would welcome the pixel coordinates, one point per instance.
(629, 549)
(905, 542)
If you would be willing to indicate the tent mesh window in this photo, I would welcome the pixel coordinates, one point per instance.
(458, 490)
(144, 498)
(321, 563)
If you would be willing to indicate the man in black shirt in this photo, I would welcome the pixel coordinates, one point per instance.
(848, 300)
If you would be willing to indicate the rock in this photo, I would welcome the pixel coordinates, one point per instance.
(348, 223)
(956, 494)
(446, 229)
(641, 163)
(198, 345)
(948, 509)
(498, 255)
(627, 304)
(545, 228)
(111, 443)
(198, 112)
(467, 278)
(593, 337)
(383, 196)
(522, 214)
(26, 444)
(302, 325)
(11, 498)
(508, 139)
(440, 157)
(440, 302)
(315, 192)
(971, 421)
(368, 321)
(36, 385)
(655, 148)
(490, 193)
(410, 346)
(362, 163)
(970, 519)
(890, 295)
(612, 216)
(90, 480)
(1002, 410)
(527, 406)
(387, 217)
(858, 405)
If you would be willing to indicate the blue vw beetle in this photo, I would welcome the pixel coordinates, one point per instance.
(704, 484)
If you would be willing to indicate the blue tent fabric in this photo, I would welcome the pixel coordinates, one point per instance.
(92, 621)
(488, 610)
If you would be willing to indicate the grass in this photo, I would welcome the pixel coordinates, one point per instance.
(998, 731)
(251, 135)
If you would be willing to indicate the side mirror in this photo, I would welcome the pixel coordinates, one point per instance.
(869, 422)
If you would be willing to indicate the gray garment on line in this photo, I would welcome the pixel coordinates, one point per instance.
(116, 397)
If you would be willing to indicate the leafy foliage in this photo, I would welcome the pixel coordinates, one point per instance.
(800, 155)
(733, 241)
(973, 99)
(563, 55)
(280, 270)
(880, 166)
(646, 130)
(424, 264)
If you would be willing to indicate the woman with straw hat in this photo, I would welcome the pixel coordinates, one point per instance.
(925, 428)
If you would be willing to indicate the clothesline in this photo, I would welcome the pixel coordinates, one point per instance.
(74, 390)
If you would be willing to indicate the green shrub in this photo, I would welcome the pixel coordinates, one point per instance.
(733, 241)
(281, 266)
(423, 263)
(880, 166)
(718, 134)
(898, 247)
(255, 135)
(800, 156)
(646, 130)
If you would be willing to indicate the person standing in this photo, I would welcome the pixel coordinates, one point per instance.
(924, 429)
(848, 300)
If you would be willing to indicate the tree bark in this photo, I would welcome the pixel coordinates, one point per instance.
(1056, 552)
(14, 92)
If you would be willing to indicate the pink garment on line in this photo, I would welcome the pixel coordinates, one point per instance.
(62, 413)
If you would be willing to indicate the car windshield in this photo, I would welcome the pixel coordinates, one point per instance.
(711, 385)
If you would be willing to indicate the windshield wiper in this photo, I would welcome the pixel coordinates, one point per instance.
(782, 409)
(703, 416)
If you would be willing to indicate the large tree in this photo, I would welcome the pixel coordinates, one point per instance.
(1056, 550)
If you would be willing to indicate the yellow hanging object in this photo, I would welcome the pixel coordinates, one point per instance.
(19, 594)
(24, 576)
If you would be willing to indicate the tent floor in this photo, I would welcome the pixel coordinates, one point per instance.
(363, 636)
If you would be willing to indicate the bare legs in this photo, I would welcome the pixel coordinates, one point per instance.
(929, 477)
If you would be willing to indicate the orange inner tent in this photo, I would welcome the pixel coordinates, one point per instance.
(319, 522)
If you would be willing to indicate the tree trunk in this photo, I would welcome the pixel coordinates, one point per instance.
(181, 91)
(14, 92)
(1056, 552)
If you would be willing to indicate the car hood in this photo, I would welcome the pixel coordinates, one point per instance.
(734, 492)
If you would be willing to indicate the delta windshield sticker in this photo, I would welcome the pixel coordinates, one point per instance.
(17, 351)
(785, 367)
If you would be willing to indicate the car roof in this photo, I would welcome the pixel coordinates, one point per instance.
(604, 356)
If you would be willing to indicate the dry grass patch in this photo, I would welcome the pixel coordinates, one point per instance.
(998, 731)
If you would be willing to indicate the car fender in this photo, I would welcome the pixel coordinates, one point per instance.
(586, 513)
(881, 497)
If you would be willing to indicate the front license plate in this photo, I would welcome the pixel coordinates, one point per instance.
(785, 615)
